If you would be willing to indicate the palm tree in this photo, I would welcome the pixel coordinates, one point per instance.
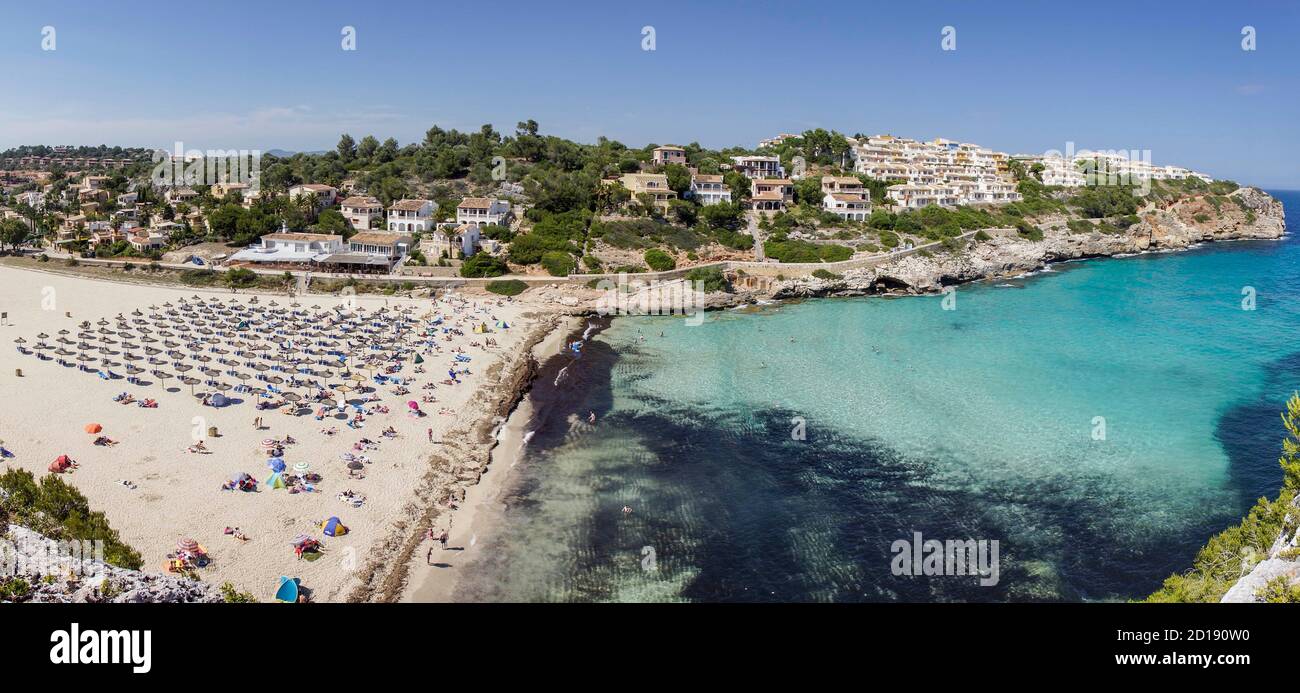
(306, 203)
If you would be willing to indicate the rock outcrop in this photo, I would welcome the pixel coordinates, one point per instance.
(50, 579)
(1250, 213)
(1283, 561)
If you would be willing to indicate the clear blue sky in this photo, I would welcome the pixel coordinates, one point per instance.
(1026, 76)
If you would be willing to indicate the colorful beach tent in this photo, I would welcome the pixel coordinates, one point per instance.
(419, 359)
(333, 527)
(276, 480)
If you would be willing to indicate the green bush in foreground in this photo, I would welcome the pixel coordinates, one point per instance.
(507, 287)
(59, 511)
(1235, 551)
(826, 274)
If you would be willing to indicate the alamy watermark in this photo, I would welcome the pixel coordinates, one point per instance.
(184, 167)
(954, 557)
(59, 558)
(652, 297)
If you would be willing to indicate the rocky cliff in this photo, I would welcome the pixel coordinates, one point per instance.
(1250, 214)
(27, 558)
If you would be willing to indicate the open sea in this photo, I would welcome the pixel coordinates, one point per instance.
(1099, 420)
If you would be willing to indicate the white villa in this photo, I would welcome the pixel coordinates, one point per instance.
(411, 216)
(360, 211)
(325, 195)
(709, 189)
(290, 248)
(847, 206)
(759, 166)
(482, 211)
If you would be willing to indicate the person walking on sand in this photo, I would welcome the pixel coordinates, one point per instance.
(430, 435)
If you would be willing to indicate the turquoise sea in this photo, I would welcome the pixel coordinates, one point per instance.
(982, 422)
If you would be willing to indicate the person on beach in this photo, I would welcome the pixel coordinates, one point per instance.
(591, 417)
(430, 435)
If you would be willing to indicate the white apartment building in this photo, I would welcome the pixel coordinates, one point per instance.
(708, 189)
(940, 171)
(482, 211)
(411, 216)
(908, 196)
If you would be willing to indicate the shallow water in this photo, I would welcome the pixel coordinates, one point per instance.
(983, 422)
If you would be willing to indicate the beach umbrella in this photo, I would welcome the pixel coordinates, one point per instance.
(93, 428)
(301, 468)
(188, 546)
(276, 464)
(355, 465)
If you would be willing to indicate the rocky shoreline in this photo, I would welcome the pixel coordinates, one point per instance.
(1176, 226)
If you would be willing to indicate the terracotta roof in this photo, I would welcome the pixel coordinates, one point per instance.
(475, 203)
(361, 202)
(708, 178)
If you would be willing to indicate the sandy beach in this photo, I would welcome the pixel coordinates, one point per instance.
(172, 494)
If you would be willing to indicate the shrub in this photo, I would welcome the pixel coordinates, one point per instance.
(981, 236)
(240, 277)
(198, 277)
(234, 596)
(659, 261)
(507, 287)
(558, 263)
(825, 274)
(712, 278)
(72, 262)
(483, 265)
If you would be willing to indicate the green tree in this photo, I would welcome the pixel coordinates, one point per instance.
(13, 233)
(347, 148)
